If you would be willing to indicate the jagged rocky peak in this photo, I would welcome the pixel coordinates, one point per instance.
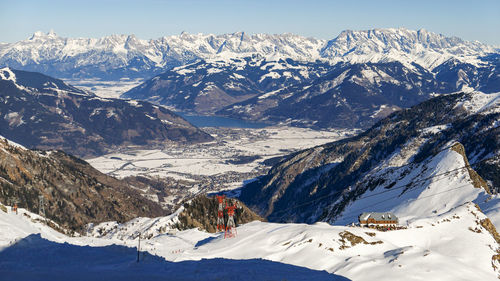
(390, 36)
(384, 41)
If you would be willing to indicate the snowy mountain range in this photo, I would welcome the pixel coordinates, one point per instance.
(430, 155)
(117, 56)
(409, 163)
(352, 80)
(344, 95)
(208, 86)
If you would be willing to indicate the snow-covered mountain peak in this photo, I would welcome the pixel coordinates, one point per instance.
(42, 36)
(426, 48)
(392, 36)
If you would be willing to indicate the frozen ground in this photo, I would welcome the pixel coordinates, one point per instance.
(105, 89)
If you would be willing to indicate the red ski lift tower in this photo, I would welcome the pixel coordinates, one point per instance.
(231, 226)
(220, 212)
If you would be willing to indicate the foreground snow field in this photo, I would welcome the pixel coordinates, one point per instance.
(456, 245)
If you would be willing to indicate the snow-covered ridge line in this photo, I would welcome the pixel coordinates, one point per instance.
(376, 45)
(145, 227)
(11, 143)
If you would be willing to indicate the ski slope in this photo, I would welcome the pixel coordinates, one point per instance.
(450, 246)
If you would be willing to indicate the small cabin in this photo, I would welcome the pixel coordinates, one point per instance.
(382, 219)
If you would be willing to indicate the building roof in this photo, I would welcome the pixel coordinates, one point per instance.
(378, 216)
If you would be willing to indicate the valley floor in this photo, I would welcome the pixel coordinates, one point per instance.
(105, 88)
(236, 156)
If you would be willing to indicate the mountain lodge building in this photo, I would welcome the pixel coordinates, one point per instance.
(382, 219)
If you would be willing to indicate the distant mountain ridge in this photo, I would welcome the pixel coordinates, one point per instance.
(118, 56)
(209, 86)
(42, 112)
(311, 94)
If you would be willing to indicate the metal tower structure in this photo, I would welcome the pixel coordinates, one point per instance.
(231, 226)
(220, 212)
(41, 208)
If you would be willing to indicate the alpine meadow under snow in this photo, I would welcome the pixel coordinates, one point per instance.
(384, 120)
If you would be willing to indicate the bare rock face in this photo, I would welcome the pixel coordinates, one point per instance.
(74, 193)
(38, 111)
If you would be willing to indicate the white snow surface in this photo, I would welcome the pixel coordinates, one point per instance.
(442, 239)
(7, 74)
(450, 246)
(12, 143)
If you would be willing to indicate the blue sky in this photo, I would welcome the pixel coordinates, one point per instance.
(470, 20)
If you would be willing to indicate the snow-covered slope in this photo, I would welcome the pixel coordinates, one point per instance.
(208, 86)
(453, 246)
(118, 56)
(427, 190)
(457, 245)
(70, 188)
(347, 96)
(145, 227)
(15, 227)
(310, 94)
